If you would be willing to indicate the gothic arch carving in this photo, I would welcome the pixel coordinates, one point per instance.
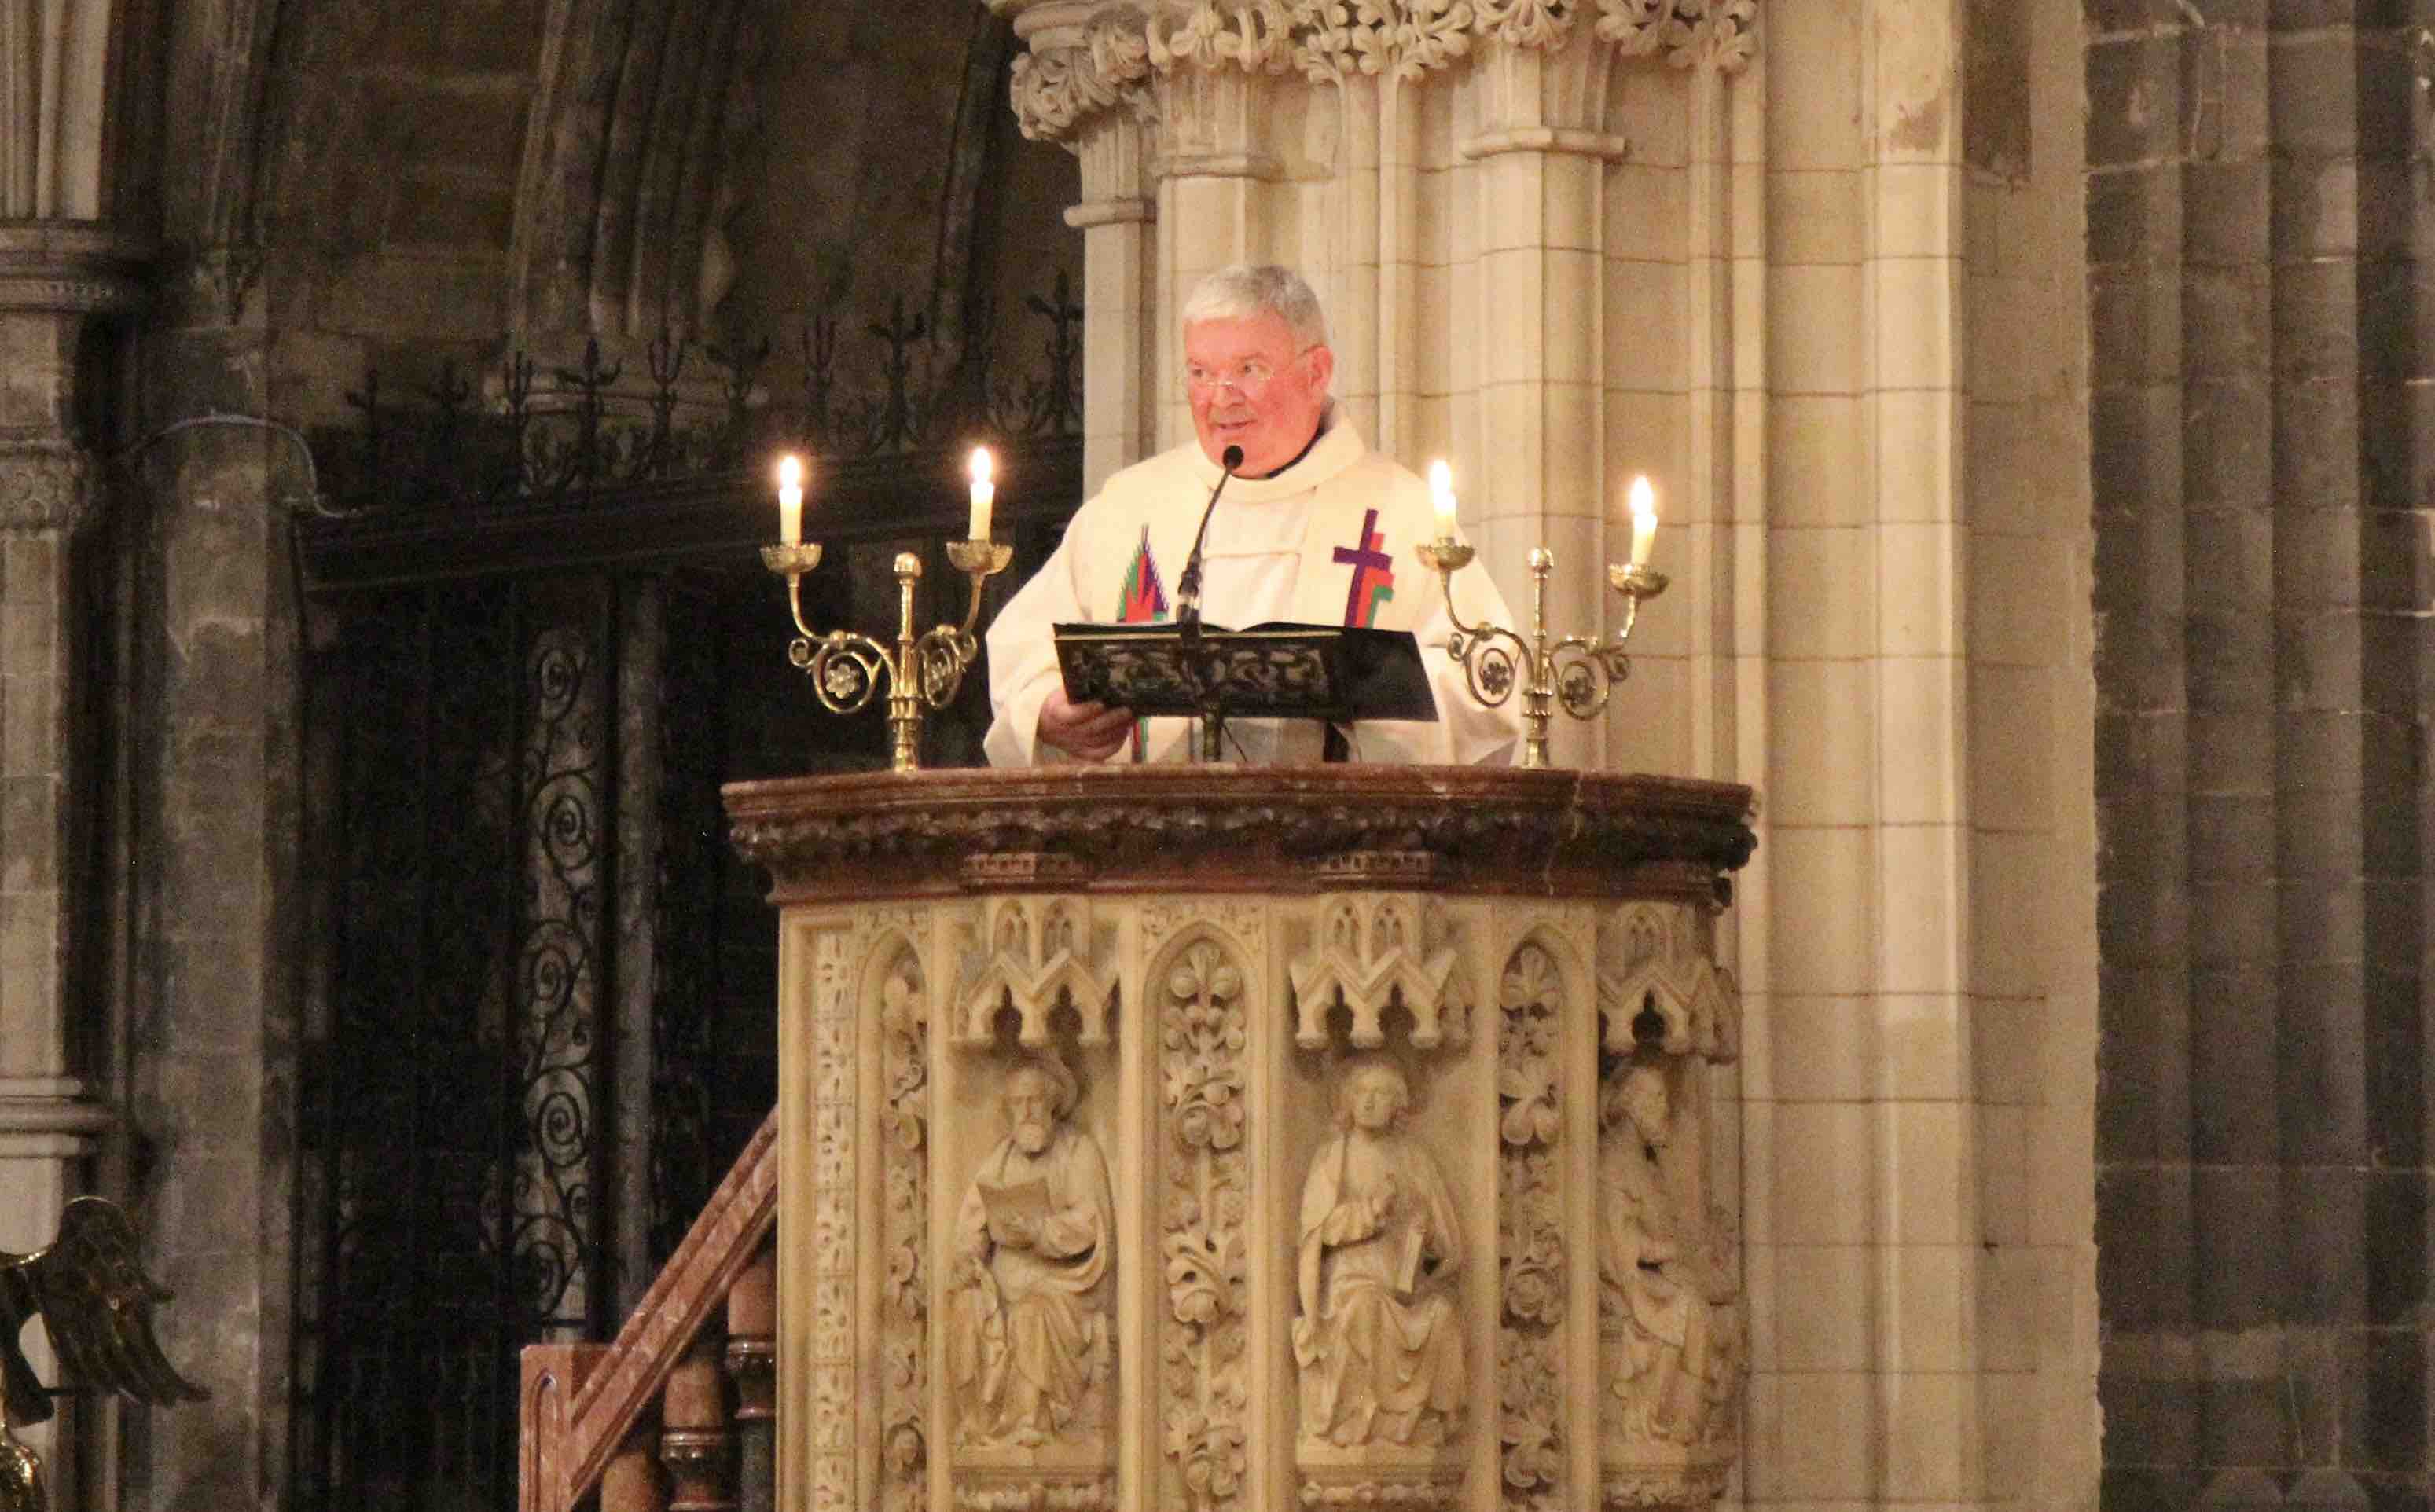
(1374, 949)
(1658, 986)
(1037, 952)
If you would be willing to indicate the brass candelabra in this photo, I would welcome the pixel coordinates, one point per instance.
(921, 670)
(1573, 672)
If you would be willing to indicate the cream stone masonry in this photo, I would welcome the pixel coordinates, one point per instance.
(1320, 1136)
(1748, 250)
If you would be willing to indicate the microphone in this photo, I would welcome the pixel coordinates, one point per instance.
(1188, 587)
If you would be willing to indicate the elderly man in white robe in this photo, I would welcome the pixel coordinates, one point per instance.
(1314, 529)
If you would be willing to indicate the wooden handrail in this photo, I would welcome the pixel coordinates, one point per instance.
(580, 1402)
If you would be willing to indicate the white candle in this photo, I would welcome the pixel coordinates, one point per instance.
(1644, 521)
(984, 492)
(790, 499)
(1441, 497)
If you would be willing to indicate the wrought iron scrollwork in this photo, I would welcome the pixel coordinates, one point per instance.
(554, 435)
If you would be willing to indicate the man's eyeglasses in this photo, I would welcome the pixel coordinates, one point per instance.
(1250, 380)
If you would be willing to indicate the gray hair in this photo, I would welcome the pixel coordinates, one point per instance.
(1243, 292)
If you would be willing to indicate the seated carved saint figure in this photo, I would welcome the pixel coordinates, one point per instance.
(1027, 1331)
(1664, 1271)
(1379, 1338)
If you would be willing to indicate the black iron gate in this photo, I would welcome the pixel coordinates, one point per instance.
(544, 1031)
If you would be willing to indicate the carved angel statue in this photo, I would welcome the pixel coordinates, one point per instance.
(97, 1304)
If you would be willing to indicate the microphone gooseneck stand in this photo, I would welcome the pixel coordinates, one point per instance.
(1188, 618)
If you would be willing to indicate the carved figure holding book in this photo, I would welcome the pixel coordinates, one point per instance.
(1379, 1338)
(1027, 1330)
(1666, 1272)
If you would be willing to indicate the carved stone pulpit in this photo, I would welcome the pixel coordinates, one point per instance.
(1252, 1138)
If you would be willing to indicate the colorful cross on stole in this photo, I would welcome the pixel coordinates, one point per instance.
(1142, 601)
(1374, 576)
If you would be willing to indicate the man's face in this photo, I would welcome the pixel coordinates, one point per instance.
(1252, 386)
(1030, 1112)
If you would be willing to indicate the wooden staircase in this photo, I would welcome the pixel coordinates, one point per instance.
(677, 1414)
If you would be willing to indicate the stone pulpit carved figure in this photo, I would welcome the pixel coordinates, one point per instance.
(1666, 1271)
(1027, 1322)
(1380, 1336)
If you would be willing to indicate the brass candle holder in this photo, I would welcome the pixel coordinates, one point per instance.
(1573, 672)
(920, 671)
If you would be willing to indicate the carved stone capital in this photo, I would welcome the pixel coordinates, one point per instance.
(1720, 33)
(46, 485)
(1105, 65)
(70, 266)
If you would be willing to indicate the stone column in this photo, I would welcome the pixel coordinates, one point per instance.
(1083, 83)
(54, 278)
(1533, 125)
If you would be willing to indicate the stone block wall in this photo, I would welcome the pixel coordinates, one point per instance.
(2255, 213)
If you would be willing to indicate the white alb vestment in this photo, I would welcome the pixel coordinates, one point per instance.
(1329, 541)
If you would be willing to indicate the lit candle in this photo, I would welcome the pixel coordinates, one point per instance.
(790, 499)
(1441, 497)
(984, 492)
(1644, 521)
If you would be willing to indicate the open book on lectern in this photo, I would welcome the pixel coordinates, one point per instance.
(1337, 672)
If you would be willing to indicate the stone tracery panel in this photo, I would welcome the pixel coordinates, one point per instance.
(1374, 950)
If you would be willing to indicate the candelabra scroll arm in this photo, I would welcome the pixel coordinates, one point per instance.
(1584, 673)
(846, 668)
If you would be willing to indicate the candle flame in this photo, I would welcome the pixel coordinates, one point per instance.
(1644, 498)
(791, 472)
(1440, 481)
(983, 469)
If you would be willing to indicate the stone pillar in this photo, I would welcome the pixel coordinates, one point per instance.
(54, 279)
(1082, 83)
(1534, 129)
(213, 1023)
(2262, 466)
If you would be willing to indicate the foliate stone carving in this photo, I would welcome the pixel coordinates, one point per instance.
(1052, 89)
(1373, 950)
(1658, 986)
(830, 1449)
(45, 485)
(1204, 1029)
(904, 1222)
(1042, 952)
(1031, 1338)
(1377, 1330)
(1255, 36)
(1722, 33)
(1529, 1234)
(1526, 22)
(1399, 39)
(1671, 1314)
